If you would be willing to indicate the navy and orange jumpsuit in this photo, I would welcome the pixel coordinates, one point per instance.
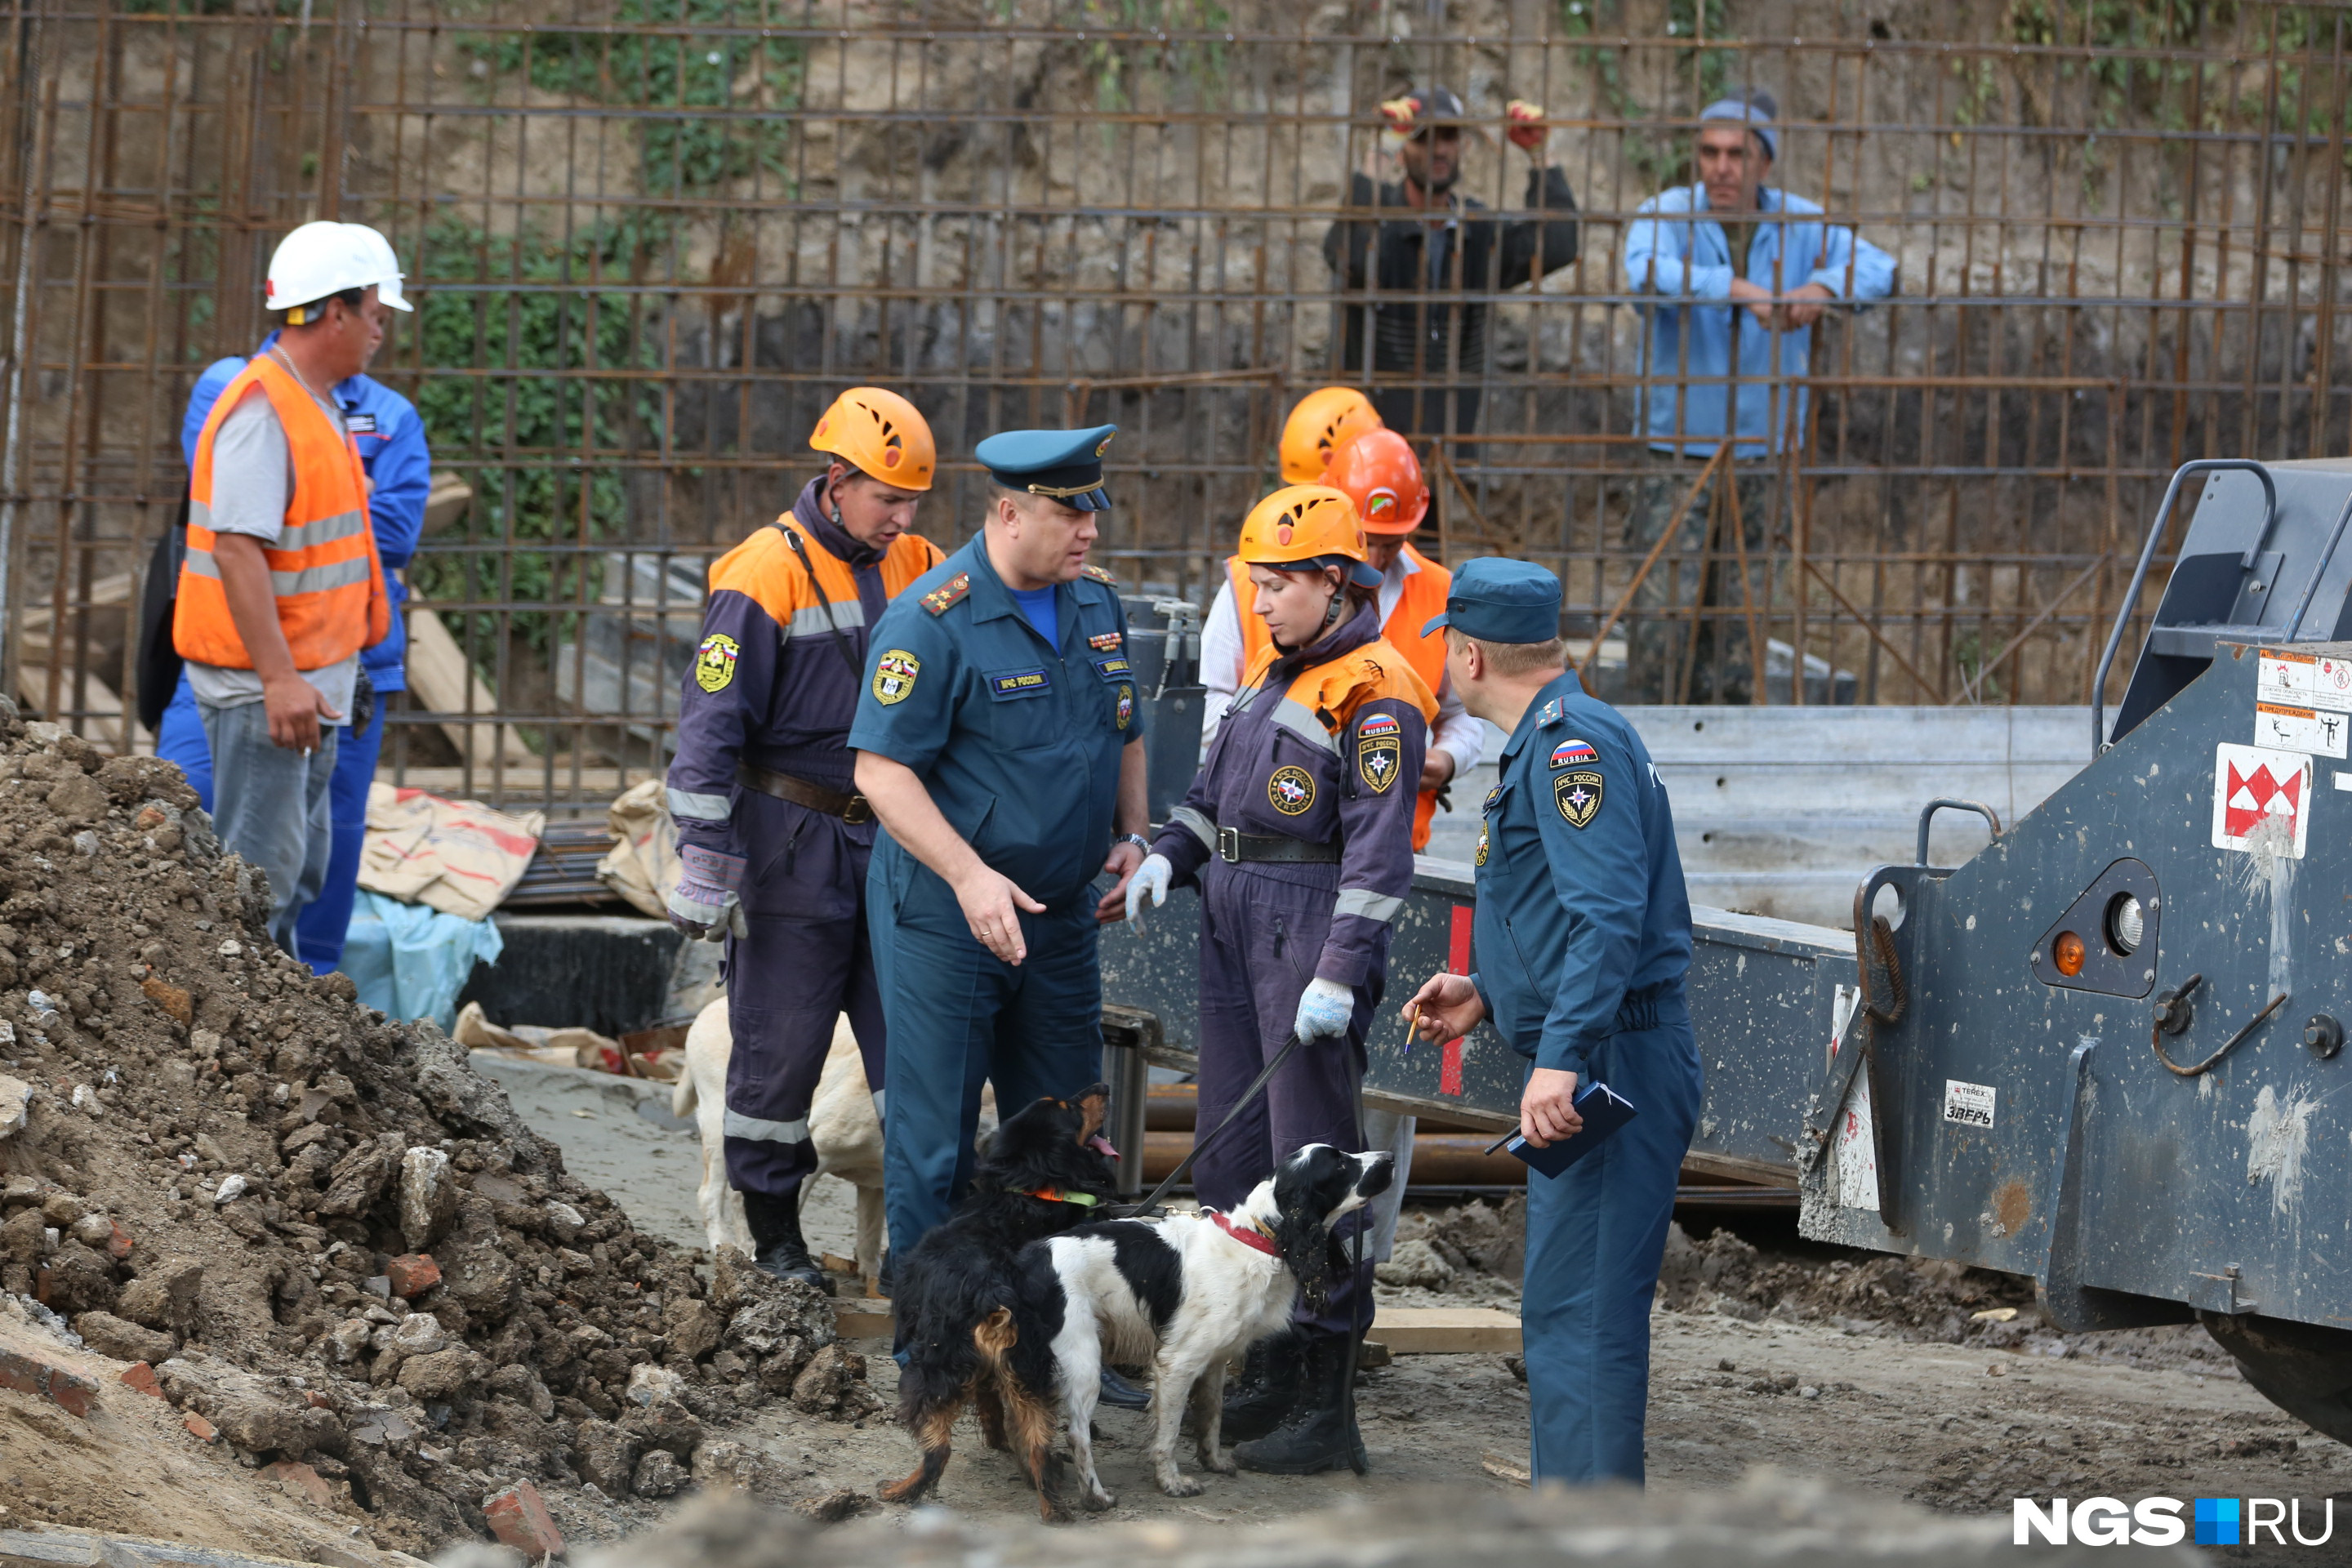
(1299, 831)
(763, 772)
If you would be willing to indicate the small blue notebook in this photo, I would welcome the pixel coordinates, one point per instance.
(1604, 1112)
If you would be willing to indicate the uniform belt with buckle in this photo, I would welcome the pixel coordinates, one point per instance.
(1233, 847)
(800, 792)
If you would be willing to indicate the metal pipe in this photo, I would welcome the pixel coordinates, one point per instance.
(12, 453)
(2335, 537)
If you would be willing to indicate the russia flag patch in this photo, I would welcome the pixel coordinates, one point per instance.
(1567, 754)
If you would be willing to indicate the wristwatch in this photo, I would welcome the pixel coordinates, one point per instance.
(1138, 839)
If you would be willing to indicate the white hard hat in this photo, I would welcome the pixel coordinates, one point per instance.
(320, 259)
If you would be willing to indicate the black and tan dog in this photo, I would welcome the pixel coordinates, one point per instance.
(1046, 1169)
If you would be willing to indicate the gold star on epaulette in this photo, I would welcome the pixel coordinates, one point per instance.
(948, 593)
(1100, 576)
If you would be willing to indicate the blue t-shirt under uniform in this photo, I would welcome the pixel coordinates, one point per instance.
(1037, 603)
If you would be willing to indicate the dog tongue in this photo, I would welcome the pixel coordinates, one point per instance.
(1101, 1145)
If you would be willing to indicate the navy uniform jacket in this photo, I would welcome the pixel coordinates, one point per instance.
(1312, 749)
(768, 684)
(1018, 742)
(1580, 896)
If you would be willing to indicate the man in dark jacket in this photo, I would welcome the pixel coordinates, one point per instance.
(1422, 245)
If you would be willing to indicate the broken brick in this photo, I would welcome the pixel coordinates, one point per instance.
(202, 1430)
(118, 1244)
(173, 1000)
(142, 1376)
(518, 1518)
(412, 1275)
(30, 1375)
(297, 1477)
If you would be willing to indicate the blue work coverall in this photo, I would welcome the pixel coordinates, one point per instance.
(1018, 742)
(770, 692)
(1697, 340)
(1582, 933)
(1311, 750)
(390, 434)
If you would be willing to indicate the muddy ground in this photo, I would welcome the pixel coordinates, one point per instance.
(1820, 1362)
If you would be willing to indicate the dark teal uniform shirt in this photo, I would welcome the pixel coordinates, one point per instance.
(1581, 912)
(1018, 740)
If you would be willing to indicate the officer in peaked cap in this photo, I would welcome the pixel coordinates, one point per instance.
(1582, 932)
(1000, 738)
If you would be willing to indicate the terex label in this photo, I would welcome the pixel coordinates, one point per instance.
(1970, 1104)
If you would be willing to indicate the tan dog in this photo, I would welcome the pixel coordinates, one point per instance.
(842, 1125)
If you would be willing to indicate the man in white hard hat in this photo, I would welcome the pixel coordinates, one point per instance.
(283, 587)
(390, 434)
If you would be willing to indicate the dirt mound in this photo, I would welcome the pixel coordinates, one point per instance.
(333, 1239)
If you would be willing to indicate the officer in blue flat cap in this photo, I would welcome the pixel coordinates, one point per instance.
(999, 739)
(1582, 935)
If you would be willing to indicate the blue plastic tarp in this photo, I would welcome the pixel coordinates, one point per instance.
(410, 962)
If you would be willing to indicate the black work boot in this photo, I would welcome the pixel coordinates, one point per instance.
(1320, 1433)
(776, 1244)
(1271, 1375)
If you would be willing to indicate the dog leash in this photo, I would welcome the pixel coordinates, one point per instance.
(1256, 1088)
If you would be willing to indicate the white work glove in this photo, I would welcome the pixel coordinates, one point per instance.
(1324, 1010)
(706, 905)
(1152, 877)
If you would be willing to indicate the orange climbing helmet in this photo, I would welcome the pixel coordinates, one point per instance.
(879, 434)
(1323, 421)
(1300, 526)
(1378, 472)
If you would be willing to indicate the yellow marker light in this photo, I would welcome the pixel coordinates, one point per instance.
(2068, 951)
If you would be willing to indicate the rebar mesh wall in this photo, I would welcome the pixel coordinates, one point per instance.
(653, 237)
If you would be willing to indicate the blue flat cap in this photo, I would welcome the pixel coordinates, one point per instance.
(1497, 599)
(1061, 465)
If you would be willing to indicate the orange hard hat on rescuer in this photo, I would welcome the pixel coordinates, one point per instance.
(1323, 421)
(1301, 528)
(879, 434)
(1378, 472)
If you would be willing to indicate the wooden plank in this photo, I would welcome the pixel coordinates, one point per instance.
(862, 1319)
(439, 672)
(1447, 1331)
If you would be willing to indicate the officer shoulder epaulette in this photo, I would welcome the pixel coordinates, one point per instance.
(1099, 574)
(938, 600)
(1552, 713)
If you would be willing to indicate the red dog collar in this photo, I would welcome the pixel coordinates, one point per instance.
(1254, 1238)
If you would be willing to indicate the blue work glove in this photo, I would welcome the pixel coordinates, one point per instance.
(1324, 1010)
(705, 903)
(1152, 877)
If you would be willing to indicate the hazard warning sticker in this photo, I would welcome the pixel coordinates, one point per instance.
(2261, 800)
(2304, 680)
(2319, 731)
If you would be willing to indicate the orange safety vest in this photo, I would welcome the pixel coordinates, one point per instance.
(764, 570)
(1423, 596)
(324, 569)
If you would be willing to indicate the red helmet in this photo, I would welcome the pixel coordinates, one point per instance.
(1378, 472)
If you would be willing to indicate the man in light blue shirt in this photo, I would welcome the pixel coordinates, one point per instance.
(1742, 271)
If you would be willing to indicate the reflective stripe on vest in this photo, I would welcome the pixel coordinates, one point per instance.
(764, 569)
(1423, 596)
(323, 569)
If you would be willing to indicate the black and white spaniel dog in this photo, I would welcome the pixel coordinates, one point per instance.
(1045, 1169)
(1184, 1292)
